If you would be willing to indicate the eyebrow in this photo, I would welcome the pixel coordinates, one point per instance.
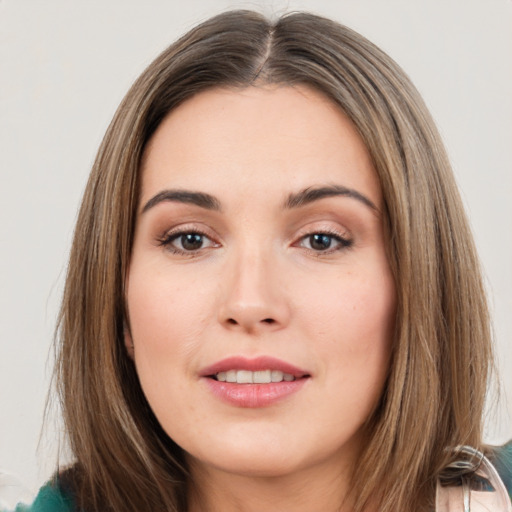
(295, 200)
(200, 199)
(311, 194)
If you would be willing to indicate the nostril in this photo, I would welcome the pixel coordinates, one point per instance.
(252, 323)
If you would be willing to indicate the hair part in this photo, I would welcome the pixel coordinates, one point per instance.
(435, 391)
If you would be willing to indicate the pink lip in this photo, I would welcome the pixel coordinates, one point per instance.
(253, 365)
(253, 395)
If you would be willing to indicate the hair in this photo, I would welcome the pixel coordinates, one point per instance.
(441, 355)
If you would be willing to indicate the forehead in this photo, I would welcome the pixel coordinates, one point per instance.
(257, 138)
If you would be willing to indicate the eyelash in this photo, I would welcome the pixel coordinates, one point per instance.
(167, 240)
(343, 241)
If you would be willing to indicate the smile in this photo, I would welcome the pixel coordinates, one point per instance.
(257, 377)
(253, 383)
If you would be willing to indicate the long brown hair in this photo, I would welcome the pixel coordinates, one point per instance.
(435, 392)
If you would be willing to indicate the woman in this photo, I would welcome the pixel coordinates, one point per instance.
(273, 299)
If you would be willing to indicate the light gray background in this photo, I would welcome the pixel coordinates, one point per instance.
(64, 67)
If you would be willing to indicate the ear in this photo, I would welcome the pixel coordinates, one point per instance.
(128, 341)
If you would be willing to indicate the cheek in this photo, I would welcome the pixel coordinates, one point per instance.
(352, 306)
(165, 329)
(167, 317)
(353, 320)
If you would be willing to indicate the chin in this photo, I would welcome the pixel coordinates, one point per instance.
(268, 465)
(249, 453)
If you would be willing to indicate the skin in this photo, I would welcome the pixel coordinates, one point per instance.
(258, 285)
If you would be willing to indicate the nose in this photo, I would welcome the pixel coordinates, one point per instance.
(254, 298)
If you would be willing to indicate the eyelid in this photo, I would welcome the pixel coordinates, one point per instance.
(328, 227)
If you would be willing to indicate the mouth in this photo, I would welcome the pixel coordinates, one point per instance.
(254, 383)
(259, 370)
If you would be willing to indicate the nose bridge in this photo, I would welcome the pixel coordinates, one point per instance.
(253, 297)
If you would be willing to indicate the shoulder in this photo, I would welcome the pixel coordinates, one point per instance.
(502, 460)
(49, 499)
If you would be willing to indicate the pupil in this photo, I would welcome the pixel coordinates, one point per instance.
(320, 242)
(191, 241)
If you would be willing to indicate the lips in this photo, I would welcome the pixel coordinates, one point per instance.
(258, 364)
(253, 383)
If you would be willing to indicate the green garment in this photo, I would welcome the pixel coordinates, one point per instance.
(51, 499)
(503, 464)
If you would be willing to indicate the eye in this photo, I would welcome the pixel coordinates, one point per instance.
(186, 242)
(324, 242)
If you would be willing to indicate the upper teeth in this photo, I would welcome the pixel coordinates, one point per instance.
(259, 377)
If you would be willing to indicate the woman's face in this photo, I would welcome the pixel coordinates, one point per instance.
(261, 303)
